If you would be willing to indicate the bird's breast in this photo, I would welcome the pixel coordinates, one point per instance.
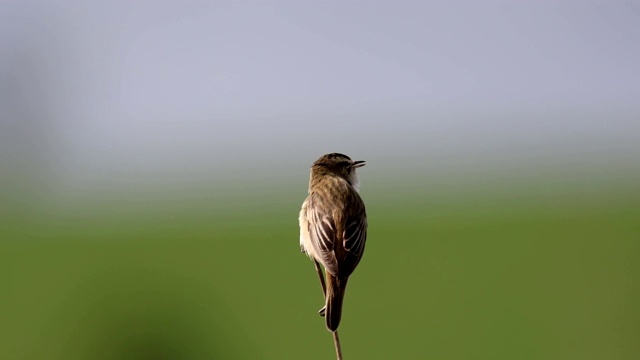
(305, 237)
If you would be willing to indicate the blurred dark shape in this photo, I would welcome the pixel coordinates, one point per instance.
(135, 314)
(25, 132)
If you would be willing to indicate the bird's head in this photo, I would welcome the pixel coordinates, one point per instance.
(336, 164)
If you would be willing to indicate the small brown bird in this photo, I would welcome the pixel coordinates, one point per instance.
(333, 227)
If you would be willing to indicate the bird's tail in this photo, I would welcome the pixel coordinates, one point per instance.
(335, 294)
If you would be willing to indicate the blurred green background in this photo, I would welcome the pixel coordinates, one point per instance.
(528, 270)
(154, 157)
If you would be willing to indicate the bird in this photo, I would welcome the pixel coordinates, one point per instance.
(333, 227)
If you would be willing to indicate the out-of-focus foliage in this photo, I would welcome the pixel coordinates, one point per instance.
(454, 273)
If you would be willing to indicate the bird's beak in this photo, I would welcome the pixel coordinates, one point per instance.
(357, 164)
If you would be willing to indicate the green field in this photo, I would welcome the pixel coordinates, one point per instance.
(515, 271)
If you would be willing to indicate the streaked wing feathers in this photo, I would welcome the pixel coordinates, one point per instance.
(355, 235)
(322, 232)
(338, 246)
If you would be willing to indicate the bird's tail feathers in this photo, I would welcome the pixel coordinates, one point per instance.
(335, 294)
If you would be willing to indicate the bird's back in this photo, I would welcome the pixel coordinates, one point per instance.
(337, 226)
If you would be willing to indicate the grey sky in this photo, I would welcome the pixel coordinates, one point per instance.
(111, 91)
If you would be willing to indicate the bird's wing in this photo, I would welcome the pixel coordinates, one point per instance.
(322, 230)
(354, 236)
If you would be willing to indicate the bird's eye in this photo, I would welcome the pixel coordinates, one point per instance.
(343, 163)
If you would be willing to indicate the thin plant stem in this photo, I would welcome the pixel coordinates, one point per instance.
(336, 342)
(336, 338)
